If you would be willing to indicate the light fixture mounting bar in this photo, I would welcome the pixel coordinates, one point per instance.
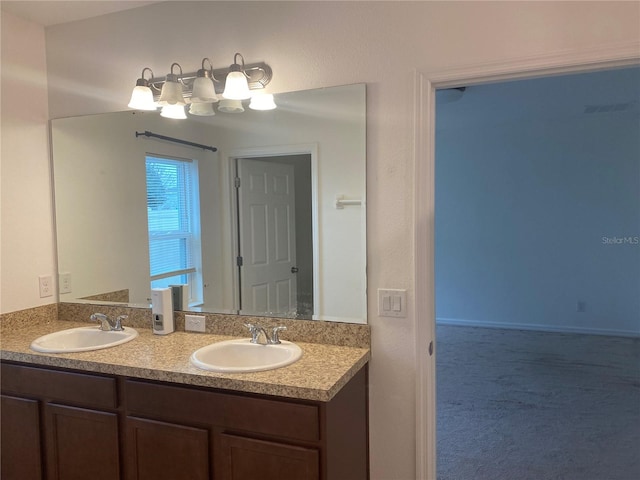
(258, 76)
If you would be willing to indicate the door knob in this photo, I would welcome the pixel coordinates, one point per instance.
(294, 269)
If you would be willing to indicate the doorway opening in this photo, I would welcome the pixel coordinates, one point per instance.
(525, 194)
(274, 230)
(623, 55)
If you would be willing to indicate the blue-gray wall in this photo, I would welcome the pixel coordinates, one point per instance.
(529, 219)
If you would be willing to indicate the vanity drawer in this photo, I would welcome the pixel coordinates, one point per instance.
(259, 415)
(61, 386)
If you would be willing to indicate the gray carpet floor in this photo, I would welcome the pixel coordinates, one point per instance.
(527, 405)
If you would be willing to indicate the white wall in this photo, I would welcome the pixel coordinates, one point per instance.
(93, 64)
(521, 211)
(26, 224)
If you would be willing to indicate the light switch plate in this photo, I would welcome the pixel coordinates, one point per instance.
(392, 303)
(64, 282)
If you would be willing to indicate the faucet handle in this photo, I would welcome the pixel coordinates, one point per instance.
(102, 319)
(275, 339)
(254, 331)
(119, 320)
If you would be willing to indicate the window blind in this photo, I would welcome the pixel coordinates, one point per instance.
(170, 218)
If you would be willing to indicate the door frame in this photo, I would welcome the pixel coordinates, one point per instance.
(607, 57)
(274, 151)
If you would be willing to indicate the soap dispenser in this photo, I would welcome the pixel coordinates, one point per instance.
(162, 311)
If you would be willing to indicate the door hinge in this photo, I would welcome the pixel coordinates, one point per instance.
(239, 261)
(237, 182)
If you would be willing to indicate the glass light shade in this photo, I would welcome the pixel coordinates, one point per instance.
(236, 87)
(142, 99)
(262, 101)
(171, 94)
(230, 106)
(203, 91)
(173, 111)
(202, 109)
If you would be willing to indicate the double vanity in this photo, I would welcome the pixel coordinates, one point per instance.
(160, 407)
(90, 404)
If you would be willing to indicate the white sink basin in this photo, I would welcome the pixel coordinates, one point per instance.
(82, 339)
(235, 356)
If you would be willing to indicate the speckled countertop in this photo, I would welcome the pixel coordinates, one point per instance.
(321, 372)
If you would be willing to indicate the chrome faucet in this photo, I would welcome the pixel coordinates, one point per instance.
(106, 324)
(256, 330)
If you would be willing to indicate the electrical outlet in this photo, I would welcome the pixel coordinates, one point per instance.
(194, 323)
(64, 280)
(46, 285)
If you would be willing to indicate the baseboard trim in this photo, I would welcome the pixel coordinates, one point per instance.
(536, 327)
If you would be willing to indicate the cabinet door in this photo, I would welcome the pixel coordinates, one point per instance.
(164, 451)
(81, 444)
(241, 458)
(20, 439)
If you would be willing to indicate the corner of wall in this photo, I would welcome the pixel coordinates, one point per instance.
(28, 245)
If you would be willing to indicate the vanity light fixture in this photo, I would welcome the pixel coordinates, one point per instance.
(204, 88)
(237, 87)
(142, 96)
(172, 89)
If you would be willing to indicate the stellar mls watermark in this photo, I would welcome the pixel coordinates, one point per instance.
(628, 240)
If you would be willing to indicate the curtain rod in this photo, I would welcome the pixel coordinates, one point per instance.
(147, 133)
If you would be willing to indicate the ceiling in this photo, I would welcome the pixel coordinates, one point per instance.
(54, 12)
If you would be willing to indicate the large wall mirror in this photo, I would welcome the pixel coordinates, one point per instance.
(272, 223)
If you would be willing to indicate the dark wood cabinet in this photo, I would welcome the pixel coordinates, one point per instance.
(20, 439)
(240, 458)
(81, 444)
(164, 451)
(107, 427)
(54, 426)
